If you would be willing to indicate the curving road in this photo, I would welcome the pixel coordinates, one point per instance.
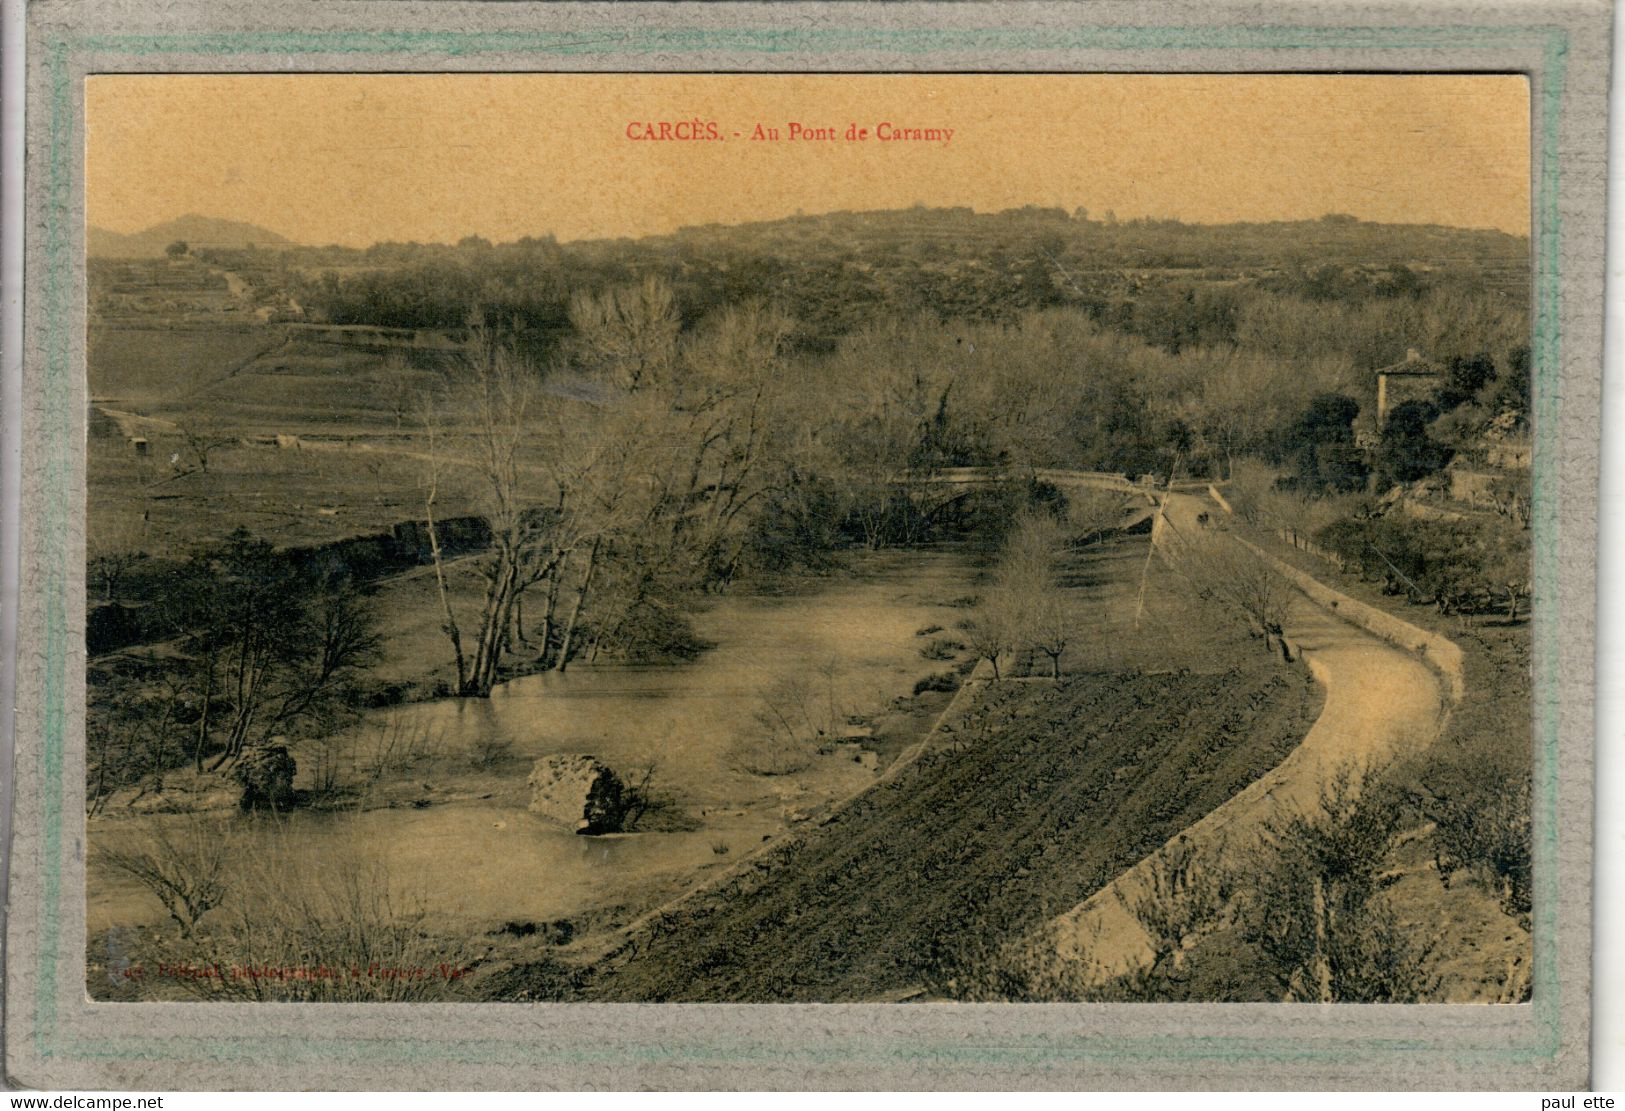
(1380, 701)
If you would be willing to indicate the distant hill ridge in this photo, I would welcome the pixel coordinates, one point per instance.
(964, 225)
(196, 231)
(917, 224)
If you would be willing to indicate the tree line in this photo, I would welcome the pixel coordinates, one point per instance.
(664, 442)
(260, 648)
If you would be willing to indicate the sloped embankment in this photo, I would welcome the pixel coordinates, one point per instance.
(1383, 701)
(1035, 796)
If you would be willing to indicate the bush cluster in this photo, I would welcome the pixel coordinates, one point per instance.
(1459, 566)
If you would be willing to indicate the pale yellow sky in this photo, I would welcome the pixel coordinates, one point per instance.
(354, 159)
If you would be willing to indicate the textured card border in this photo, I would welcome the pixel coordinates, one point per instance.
(56, 1037)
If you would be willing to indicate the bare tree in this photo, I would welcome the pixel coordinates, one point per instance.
(136, 729)
(999, 625)
(1025, 608)
(270, 647)
(728, 391)
(429, 415)
(1510, 572)
(397, 379)
(501, 395)
(483, 426)
(1183, 897)
(1051, 630)
(184, 868)
(1234, 398)
(1091, 512)
(116, 543)
(632, 329)
(896, 380)
(665, 478)
(203, 440)
(1233, 578)
(596, 486)
(792, 714)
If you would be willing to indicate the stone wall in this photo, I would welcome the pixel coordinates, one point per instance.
(1438, 652)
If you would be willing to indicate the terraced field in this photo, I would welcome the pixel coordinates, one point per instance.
(1038, 794)
(159, 368)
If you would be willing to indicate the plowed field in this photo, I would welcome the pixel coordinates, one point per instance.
(1035, 796)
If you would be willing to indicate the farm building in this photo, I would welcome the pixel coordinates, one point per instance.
(136, 431)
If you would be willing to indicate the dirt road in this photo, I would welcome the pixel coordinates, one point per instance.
(1380, 702)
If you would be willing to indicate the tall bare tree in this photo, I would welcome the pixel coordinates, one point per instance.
(632, 329)
(731, 370)
(482, 427)
(434, 437)
(1028, 587)
(1222, 571)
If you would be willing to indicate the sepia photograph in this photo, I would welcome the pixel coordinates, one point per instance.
(769, 538)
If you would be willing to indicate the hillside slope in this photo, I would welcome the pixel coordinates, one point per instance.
(195, 231)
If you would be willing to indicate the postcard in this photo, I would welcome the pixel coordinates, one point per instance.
(1068, 569)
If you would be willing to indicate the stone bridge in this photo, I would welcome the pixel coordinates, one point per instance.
(1100, 480)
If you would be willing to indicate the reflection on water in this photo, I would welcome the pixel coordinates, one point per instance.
(488, 862)
(857, 635)
(855, 638)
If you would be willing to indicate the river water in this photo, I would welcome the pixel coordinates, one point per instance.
(851, 639)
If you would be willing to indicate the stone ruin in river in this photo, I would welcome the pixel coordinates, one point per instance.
(580, 793)
(266, 773)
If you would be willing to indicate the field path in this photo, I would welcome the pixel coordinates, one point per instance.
(1381, 701)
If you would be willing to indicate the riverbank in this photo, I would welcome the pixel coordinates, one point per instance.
(1047, 789)
(434, 794)
(1034, 794)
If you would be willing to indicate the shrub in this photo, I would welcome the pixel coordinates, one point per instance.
(308, 927)
(792, 714)
(490, 750)
(394, 749)
(942, 648)
(1310, 904)
(184, 868)
(1182, 898)
(1481, 825)
(941, 681)
(1458, 566)
(763, 756)
(1374, 960)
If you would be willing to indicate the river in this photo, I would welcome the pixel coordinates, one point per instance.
(851, 638)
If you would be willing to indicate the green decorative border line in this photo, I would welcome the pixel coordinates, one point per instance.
(57, 446)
